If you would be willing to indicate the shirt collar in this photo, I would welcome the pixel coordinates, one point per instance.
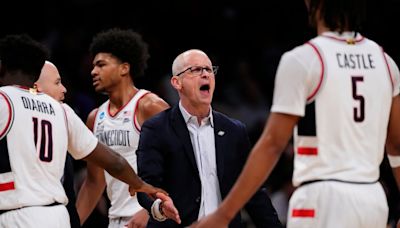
(343, 35)
(188, 117)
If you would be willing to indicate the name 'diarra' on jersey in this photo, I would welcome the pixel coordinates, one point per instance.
(38, 106)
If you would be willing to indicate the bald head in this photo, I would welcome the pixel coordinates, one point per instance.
(49, 82)
(181, 60)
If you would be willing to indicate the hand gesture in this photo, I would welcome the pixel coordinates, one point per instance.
(168, 208)
(148, 189)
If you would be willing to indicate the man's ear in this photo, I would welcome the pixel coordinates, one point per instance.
(176, 82)
(125, 68)
(35, 86)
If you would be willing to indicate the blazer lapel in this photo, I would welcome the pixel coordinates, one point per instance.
(219, 135)
(180, 128)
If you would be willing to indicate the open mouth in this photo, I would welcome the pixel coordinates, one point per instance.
(205, 88)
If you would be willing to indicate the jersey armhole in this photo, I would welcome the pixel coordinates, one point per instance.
(135, 121)
(10, 119)
(95, 119)
(321, 78)
(388, 68)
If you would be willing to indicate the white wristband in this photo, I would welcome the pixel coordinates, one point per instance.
(155, 211)
(394, 161)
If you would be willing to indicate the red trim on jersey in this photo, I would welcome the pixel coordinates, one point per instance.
(22, 87)
(7, 186)
(95, 118)
(134, 112)
(344, 39)
(123, 106)
(388, 67)
(309, 213)
(322, 71)
(307, 150)
(9, 117)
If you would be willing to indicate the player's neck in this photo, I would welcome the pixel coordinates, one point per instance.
(321, 28)
(120, 97)
(17, 79)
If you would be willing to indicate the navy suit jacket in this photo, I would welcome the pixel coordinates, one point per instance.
(166, 159)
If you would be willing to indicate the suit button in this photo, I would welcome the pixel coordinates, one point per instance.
(198, 199)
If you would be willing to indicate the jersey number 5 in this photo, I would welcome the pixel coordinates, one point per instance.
(358, 112)
(46, 140)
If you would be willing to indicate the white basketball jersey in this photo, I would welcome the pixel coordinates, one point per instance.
(121, 133)
(343, 87)
(35, 133)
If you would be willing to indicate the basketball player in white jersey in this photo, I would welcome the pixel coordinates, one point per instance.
(119, 57)
(339, 92)
(35, 133)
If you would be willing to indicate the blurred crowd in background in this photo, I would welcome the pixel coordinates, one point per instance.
(245, 38)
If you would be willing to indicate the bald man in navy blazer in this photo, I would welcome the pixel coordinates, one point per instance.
(196, 153)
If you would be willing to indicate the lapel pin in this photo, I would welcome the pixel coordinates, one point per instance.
(221, 133)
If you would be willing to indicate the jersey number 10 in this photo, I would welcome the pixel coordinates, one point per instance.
(45, 146)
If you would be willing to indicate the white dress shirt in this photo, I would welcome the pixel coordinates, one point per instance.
(203, 142)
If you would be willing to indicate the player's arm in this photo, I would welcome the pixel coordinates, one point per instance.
(90, 192)
(393, 139)
(82, 144)
(393, 135)
(260, 163)
(119, 168)
(93, 185)
(150, 105)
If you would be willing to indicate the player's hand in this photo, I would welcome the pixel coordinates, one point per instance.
(168, 208)
(138, 220)
(148, 189)
(213, 220)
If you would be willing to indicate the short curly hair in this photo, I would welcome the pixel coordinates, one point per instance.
(19, 52)
(126, 45)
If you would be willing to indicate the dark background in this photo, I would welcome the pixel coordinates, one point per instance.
(245, 38)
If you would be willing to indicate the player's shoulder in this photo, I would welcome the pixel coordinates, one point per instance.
(151, 102)
(149, 98)
(6, 88)
(93, 113)
(8, 91)
(300, 53)
(67, 109)
(3, 93)
(300, 57)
